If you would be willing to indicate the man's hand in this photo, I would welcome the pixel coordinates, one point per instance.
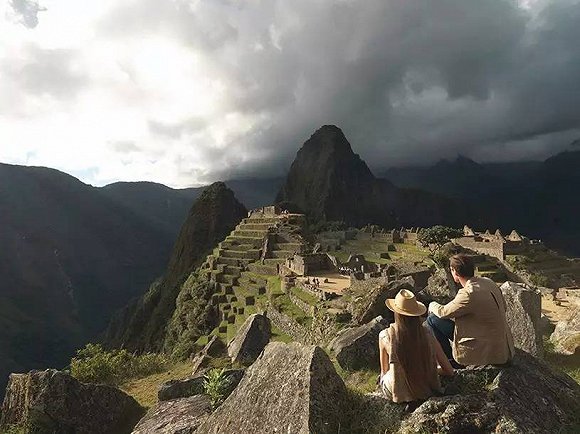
(432, 306)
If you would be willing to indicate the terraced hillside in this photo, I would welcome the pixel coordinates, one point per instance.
(246, 263)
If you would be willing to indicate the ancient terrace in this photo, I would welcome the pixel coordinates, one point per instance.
(239, 267)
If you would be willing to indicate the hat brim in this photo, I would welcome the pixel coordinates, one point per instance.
(420, 308)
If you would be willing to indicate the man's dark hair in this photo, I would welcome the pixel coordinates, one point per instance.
(463, 265)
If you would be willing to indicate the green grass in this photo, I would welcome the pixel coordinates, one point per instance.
(305, 296)
(569, 364)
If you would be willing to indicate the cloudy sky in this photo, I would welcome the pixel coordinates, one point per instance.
(185, 92)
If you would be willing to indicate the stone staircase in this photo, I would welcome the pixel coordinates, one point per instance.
(236, 261)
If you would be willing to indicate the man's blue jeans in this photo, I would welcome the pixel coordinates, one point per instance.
(443, 330)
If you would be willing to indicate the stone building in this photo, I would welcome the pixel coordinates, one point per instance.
(496, 244)
(306, 264)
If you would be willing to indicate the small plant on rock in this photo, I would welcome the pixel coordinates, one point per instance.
(215, 385)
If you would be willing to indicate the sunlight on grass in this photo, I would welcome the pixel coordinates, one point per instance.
(144, 390)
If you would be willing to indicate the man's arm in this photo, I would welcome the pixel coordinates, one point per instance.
(457, 307)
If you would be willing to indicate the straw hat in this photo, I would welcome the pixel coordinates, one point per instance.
(405, 303)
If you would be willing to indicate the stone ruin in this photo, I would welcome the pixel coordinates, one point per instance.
(496, 245)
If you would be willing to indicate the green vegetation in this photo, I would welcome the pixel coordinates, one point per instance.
(539, 279)
(570, 364)
(93, 364)
(435, 237)
(215, 385)
(367, 415)
(305, 296)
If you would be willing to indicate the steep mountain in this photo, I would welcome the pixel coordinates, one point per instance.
(537, 198)
(329, 181)
(69, 257)
(164, 207)
(142, 325)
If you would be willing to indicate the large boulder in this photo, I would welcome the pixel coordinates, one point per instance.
(440, 288)
(52, 401)
(369, 301)
(523, 313)
(291, 388)
(566, 335)
(178, 416)
(528, 397)
(252, 337)
(174, 389)
(357, 347)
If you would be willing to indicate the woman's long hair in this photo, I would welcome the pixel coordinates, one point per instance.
(415, 354)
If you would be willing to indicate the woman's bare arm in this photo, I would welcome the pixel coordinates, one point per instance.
(383, 355)
(445, 367)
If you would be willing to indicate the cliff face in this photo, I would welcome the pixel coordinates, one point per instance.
(328, 181)
(142, 325)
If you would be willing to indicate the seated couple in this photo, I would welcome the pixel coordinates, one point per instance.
(412, 353)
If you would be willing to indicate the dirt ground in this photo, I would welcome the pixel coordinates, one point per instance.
(337, 283)
(558, 309)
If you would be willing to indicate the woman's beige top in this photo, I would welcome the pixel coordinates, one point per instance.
(399, 388)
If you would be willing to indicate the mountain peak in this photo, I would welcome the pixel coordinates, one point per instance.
(329, 138)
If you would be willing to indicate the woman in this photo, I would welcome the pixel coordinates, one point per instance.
(409, 353)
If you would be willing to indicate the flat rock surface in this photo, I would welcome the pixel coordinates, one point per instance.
(523, 313)
(291, 388)
(177, 416)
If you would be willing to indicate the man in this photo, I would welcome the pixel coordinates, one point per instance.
(475, 319)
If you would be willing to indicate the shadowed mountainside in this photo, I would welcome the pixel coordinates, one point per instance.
(69, 257)
(142, 325)
(328, 181)
(539, 199)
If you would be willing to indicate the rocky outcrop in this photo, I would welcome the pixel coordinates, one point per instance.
(52, 401)
(357, 347)
(566, 335)
(291, 388)
(523, 313)
(250, 340)
(528, 397)
(371, 296)
(175, 389)
(178, 416)
(440, 288)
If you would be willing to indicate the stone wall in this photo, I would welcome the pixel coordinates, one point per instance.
(493, 248)
(300, 304)
(287, 325)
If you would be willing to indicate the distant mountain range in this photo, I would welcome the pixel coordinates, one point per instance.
(539, 199)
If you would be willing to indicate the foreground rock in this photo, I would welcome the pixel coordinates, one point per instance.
(440, 288)
(566, 336)
(371, 303)
(528, 397)
(174, 389)
(52, 401)
(357, 347)
(178, 416)
(291, 388)
(250, 340)
(523, 313)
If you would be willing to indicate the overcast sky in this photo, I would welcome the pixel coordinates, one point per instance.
(185, 92)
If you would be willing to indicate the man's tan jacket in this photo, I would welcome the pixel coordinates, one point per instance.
(482, 335)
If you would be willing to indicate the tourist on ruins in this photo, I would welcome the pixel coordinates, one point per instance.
(475, 320)
(409, 353)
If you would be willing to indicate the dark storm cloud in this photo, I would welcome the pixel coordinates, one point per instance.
(409, 81)
(28, 11)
